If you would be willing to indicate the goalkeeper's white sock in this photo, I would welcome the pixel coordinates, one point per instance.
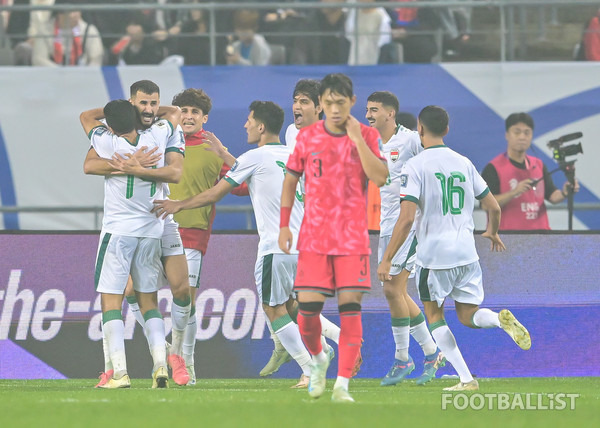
(155, 332)
(329, 329)
(447, 344)
(485, 318)
(420, 332)
(134, 307)
(189, 338)
(289, 335)
(180, 314)
(114, 329)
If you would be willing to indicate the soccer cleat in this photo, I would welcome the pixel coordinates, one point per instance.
(104, 377)
(278, 358)
(399, 370)
(112, 383)
(358, 362)
(318, 373)
(461, 386)
(341, 395)
(514, 329)
(160, 378)
(302, 383)
(180, 374)
(192, 375)
(430, 366)
(330, 353)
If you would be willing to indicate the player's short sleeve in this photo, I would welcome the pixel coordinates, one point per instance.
(480, 187)
(410, 183)
(102, 141)
(296, 161)
(176, 142)
(243, 168)
(415, 143)
(373, 140)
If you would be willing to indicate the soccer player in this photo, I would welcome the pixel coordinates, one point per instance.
(443, 185)
(130, 242)
(399, 145)
(306, 110)
(263, 169)
(337, 156)
(145, 96)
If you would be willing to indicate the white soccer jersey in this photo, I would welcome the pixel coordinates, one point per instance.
(403, 145)
(263, 169)
(290, 136)
(128, 199)
(176, 144)
(445, 185)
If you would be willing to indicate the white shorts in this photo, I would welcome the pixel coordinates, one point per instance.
(274, 275)
(119, 256)
(194, 261)
(171, 240)
(404, 258)
(463, 284)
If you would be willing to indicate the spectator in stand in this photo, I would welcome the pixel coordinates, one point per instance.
(66, 39)
(190, 38)
(591, 39)
(368, 29)
(250, 48)
(325, 41)
(143, 43)
(414, 29)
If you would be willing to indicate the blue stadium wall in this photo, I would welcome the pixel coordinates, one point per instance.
(42, 146)
(50, 314)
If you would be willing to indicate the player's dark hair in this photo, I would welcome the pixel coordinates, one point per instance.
(194, 98)
(386, 98)
(310, 88)
(406, 119)
(435, 119)
(146, 86)
(269, 114)
(515, 118)
(121, 116)
(337, 83)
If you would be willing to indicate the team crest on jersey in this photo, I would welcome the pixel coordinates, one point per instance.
(394, 155)
(234, 167)
(403, 180)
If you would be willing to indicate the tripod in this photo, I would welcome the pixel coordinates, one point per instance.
(569, 169)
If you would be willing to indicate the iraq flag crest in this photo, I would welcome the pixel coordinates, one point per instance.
(394, 155)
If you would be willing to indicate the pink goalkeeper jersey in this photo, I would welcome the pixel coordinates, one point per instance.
(335, 210)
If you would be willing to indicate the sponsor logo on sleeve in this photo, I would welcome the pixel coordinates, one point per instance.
(404, 180)
(234, 167)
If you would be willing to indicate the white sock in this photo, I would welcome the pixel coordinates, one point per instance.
(134, 307)
(447, 344)
(401, 338)
(115, 336)
(485, 318)
(276, 341)
(289, 335)
(189, 339)
(107, 363)
(421, 334)
(330, 330)
(342, 382)
(155, 332)
(179, 317)
(321, 357)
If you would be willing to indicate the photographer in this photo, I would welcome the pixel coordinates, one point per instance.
(521, 183)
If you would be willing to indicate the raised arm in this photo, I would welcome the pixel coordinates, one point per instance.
(215, 145)
(170, 113)
(91, 118)
(375, 169)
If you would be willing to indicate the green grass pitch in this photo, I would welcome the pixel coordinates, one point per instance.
(271, 403)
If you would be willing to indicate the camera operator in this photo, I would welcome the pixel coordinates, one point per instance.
(521, 183)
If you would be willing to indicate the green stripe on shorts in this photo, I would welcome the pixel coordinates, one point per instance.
(411, 252)
(267, 274)
(100, 259)
(423, 288)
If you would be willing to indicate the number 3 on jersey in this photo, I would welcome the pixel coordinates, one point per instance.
(453, 195)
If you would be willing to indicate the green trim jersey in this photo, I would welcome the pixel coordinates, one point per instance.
(444, 185)
(128, 199)
(263, 169)
(175, 144)
(403, 145)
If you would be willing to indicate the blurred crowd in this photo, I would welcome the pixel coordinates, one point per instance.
(367, 35)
